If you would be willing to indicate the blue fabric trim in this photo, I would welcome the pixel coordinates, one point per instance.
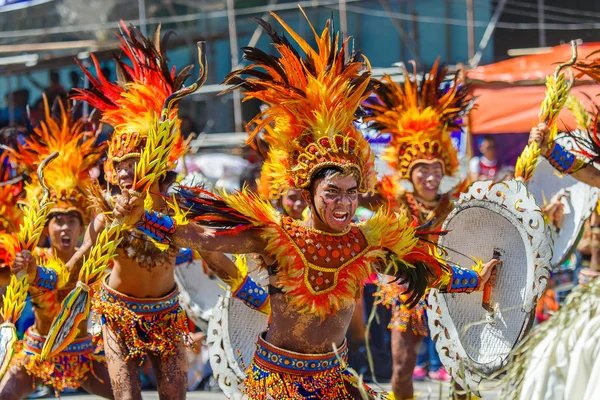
(561, 159)
(46, 278)
(252, 294)
(463, 280)
(156, 226)
(184, 256)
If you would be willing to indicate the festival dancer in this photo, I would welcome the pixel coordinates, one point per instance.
(138, 303)
(559, 358)
(67, 177)
(317, 266)
(420, 118)
(11, 216)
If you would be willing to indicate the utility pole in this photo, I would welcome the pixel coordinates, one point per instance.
(542, 27)
(233, 47)
(470, 29)
(343, 19)
(142, 16)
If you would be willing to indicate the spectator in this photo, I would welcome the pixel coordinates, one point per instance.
(486, 166)
(548, 304)
(188, 127)
(54, 89)
(18, 100)
(250, 176)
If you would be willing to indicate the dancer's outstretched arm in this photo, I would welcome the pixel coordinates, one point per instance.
(588, 174)
(130, 209)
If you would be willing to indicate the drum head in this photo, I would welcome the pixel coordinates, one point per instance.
(199, 292)
(232, 334)
(579, 203)
(503, 218)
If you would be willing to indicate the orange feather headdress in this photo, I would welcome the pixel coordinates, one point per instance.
(312, 101)
(67, 176)
(133, 104)
(11, 189)
(420, 118)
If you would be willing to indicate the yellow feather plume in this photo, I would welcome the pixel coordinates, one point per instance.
(101, 254)
(14, 299)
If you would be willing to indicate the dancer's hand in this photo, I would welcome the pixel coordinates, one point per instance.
(539, 134)
(24, 261)
(129, 208)
(489, 272)
(555, 211)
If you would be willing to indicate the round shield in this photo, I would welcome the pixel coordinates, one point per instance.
(232, 333)
(199, 292)
(579, 201)
(502, 220)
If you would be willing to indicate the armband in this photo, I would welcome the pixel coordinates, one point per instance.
(253, 295)
(463, 280)
(586, 275)
(564, 161)
(157, 226)
(45, 278)
(184, 256)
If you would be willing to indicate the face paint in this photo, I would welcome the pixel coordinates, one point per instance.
(335, 201)
(426, 179)
(125, 171)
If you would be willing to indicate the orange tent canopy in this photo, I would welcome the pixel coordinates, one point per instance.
(509, 93)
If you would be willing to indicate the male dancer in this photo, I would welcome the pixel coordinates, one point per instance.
(420, 118)
(67, 178)
(138, 302)
(317, 266)
(559, 358)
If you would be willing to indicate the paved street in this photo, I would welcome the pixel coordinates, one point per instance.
(425, 390)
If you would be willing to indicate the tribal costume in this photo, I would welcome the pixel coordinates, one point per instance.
(67, 178)
(559, 358)
(312, 102)
(133, 106)
(419, 118)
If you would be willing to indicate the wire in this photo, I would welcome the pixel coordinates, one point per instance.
(517, 11)
(463, 22)
(164, 20)
(559, 10)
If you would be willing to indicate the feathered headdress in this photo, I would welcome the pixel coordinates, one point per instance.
(419, 118)
(312, 101)
(67, 176)
(11, 189)
(8, 245)
(133, 105)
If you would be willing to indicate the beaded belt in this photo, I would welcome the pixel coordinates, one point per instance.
(34, 343)
(163, 304)
(275, 359)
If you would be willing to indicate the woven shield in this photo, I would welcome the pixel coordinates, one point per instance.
(199, 293)
(490, 220)
(232, 333)
(579, 202)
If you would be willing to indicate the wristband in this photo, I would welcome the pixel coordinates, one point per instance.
(564, 161)
(463, 280)
(252, 295)
(45, 278)
(157, 226)
(184, 256)
(586, 275)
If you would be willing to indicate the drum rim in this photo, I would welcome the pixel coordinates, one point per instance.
(539, 253)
